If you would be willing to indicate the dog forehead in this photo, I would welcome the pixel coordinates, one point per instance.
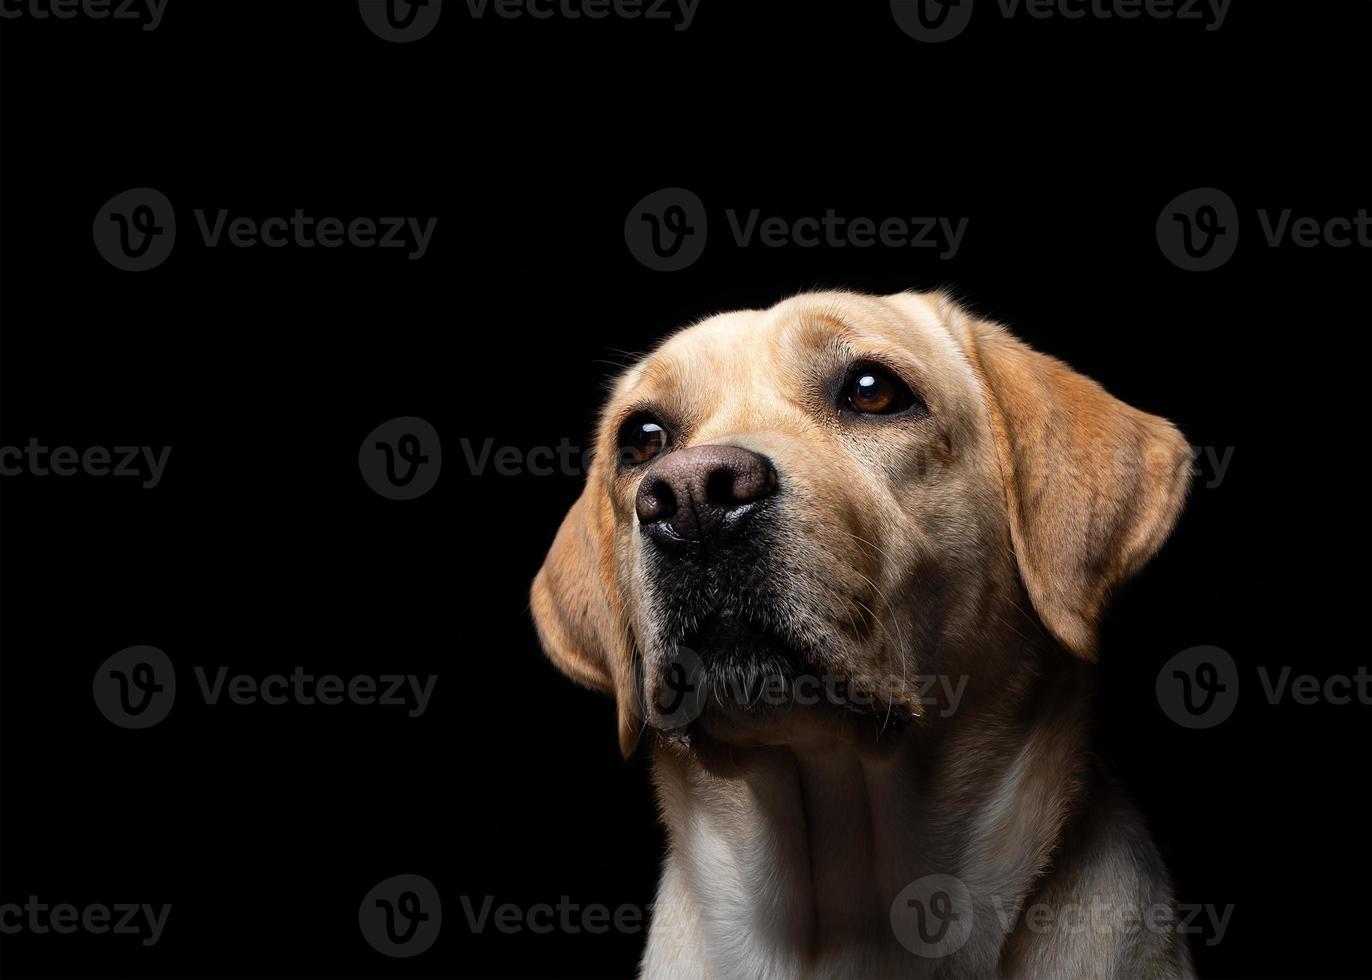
(745, 348)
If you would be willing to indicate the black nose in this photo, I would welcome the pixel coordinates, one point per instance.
(702, 494)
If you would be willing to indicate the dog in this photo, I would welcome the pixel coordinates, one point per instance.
(796, 521)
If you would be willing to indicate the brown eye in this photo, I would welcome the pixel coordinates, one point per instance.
(872, 390)
(640, 439)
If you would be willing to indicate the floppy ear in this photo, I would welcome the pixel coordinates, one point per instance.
(576, 609)
(1093, 485)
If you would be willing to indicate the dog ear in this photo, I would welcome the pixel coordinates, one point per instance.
(576, 609)
(1094, 486)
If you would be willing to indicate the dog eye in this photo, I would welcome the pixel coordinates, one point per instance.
(871, 390)
(640, 439)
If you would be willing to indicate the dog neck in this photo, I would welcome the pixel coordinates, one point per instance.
(787, 858)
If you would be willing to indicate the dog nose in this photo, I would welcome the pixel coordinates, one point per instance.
(702, 493)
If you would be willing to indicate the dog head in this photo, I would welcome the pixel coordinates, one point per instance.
(839, 495)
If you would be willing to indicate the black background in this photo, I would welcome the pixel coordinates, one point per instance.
(262, 548)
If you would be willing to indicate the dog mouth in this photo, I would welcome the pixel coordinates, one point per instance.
(744, 650)
(744, 679)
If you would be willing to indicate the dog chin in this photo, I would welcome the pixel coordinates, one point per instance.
(724, 738)
(737, 682)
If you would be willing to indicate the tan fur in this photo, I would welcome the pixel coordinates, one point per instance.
(978, 542)
(1068, 452)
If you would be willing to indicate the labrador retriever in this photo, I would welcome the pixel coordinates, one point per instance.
(842, 564)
